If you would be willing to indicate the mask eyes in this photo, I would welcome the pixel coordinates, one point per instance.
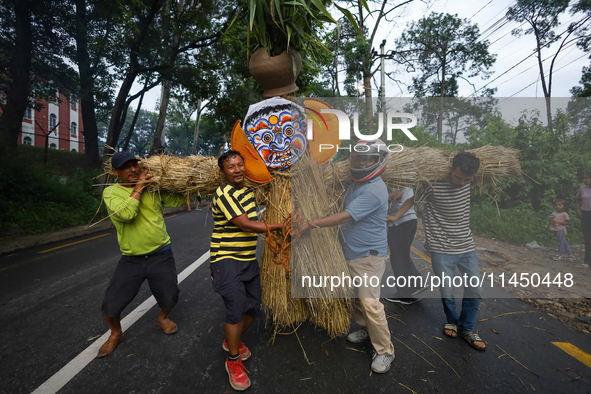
(288, 131)
(267, 138)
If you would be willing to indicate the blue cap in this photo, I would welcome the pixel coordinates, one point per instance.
(121, 158)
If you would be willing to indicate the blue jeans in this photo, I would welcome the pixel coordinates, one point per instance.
(444, 266)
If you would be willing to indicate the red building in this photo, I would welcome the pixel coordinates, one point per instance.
(62, 119)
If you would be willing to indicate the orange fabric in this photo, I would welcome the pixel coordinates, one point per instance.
(255, 168)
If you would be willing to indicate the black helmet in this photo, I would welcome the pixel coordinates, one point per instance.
(374, 149)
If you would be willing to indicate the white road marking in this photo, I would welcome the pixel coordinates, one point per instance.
(67, 373)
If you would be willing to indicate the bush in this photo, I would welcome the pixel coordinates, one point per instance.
(36, 198)
(520, 225)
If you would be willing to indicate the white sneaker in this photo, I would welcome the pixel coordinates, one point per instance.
(358, 336)
(381, 362)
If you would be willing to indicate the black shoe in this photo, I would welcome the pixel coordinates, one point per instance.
(419, 291)
(403, 301)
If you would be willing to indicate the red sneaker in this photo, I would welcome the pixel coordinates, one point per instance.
(237, 374)
(242, 350)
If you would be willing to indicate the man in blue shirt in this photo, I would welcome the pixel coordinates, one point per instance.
(365, 246)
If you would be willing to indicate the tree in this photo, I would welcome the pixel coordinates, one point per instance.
(142, 51)
(460, 115)
(92, 28)
(358, 48)
(444, 47)
(179, 133)
(542, 18)
(32, 49)
(585, 90)
(143, 133)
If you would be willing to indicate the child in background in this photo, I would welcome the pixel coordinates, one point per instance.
(558, 222)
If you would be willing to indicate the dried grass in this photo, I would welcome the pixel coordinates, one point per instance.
(319, 253)
(189, 175)
(424, 164)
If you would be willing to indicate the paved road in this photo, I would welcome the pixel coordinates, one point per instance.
(50, 313)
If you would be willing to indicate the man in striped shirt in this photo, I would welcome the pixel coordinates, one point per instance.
(234, 268)
(447, 235)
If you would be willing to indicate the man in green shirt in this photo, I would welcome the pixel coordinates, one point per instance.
(145, 245)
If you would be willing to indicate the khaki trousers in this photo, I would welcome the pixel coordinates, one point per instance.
(368, 311)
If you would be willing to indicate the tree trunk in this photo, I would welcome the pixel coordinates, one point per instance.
(120, 106)
(223, 147)
(87, 106)
(196, 133)
(18, 72)
(366, 78)
(336, 63)
(441, 98)
(133, 122)
(543, 79)
(158, 145)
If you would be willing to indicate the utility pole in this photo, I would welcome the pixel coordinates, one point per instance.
(383, 86)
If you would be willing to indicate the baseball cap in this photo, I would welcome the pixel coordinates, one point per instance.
(121, 158)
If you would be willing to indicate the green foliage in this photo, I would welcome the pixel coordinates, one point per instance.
(143, 132)
(284, 25)
(520, 224)
(37, 198)
(585, 90)
(551, 159)
(443, 45)
(541, 16)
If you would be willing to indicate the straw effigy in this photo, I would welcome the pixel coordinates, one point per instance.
(283, 310)
(318, 253)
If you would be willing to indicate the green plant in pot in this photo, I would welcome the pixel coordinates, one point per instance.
(278, 31)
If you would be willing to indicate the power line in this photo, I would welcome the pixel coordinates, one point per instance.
(481, 9)
(532, 66)
(527, 57)
(569, 63)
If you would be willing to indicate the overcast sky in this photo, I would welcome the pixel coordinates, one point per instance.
(513, 80)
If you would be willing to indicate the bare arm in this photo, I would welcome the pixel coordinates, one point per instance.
(403, 209)
(252, 226)
(329, 221)
(139, 186)
(395, 195)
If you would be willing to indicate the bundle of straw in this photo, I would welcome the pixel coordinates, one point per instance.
(495, 162)
(283, 310)
(424, 164)
(319, 253)
(195, 174)
(189, 175)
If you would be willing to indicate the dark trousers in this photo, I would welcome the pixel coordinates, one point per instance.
(586, 225)
(399, 240)
(160, 271)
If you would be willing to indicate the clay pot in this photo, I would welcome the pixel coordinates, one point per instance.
(275, 74)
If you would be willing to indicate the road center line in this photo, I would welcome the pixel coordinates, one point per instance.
(67, 373)
(74, 243)
(421, 254)
(574, 351)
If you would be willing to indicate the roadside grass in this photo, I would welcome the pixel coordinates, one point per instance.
(519, 225)
(38, 197)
